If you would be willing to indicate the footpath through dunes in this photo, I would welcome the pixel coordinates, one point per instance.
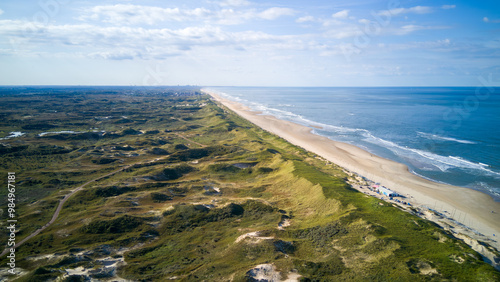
(79, 188)
(483, 213)
(61, 204)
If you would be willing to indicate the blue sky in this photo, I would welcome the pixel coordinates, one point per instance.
(250, 43)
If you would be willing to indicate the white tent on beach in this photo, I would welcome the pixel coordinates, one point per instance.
(387, 192)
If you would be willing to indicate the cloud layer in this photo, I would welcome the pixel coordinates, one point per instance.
(240, 37)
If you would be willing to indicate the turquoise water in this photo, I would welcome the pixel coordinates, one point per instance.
(446, 134)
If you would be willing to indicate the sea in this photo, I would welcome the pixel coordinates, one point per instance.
(445, 134)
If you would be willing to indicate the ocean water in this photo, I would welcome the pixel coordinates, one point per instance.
(446, 134)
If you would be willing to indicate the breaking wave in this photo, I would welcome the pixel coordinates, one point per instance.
(429, 160)
(443, 138)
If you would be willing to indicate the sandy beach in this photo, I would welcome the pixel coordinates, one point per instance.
(459, 207)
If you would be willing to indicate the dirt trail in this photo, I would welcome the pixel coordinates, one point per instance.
(61, 204)
(187, 139)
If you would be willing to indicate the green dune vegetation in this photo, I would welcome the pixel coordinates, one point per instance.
(202, 195)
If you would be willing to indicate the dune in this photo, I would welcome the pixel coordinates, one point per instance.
(466, 211)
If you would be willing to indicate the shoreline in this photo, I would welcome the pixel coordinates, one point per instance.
(460, 210)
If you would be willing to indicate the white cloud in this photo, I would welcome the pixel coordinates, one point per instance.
(305, 19)
(401, 11)
(274, 13)
(341, 15)
(406, 29)
(234, 3)
(134, 14)
(444, 45)
(127, 14)
(448, 7)
(123, 42)
(345, 31)
(1, 11)
(488, 20)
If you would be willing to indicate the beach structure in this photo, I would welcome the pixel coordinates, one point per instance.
(387, 192)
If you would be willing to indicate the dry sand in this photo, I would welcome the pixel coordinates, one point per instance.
(471, 208)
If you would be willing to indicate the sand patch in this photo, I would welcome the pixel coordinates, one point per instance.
(254, 236)
(268, 272)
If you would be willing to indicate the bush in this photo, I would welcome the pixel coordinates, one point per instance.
(104, 161)
(112, 191)
(160, 197)
(265, 170)
(193, 154)
(119, 225)
(174, 173)
(158, 151)
(320, 270)
(181, 147)
(321, 236)
(131, 131)
(224, 168)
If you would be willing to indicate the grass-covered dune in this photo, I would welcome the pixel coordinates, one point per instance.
(204, 196)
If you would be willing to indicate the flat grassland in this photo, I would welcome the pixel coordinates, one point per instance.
(203, 195)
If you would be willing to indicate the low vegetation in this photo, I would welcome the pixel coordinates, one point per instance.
(203, 195)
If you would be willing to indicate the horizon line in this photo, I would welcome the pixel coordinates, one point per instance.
(202, 86)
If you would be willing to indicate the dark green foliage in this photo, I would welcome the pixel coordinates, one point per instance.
(35, 150)
(123, 120)
(158, 151)
(284, 246)
(321, 236)
(68, 260)
(74, 136)
(193, 154)
(131, 131)
(272, 151)
(11, 149)
(174, 173)
(181, 147)
(186, 217)
(41, 270)
(119, 225)
(168, 174)
(265, 170)
(75, 278)
(38, 126)
(189, 154)
(160, 197)
(320, 270)
(151, 132)
(224, 168)
(124, 148)
(104, 161)
(112, 191)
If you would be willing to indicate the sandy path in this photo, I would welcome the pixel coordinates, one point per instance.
(61, 204)
(472, 208)
(189, 140)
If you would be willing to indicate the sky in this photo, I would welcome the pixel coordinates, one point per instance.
(250, 43)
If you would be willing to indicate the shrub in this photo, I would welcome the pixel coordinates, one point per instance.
(160, 197)
(174, 173)
(158, 151)
(112, 191)
(265, 170)
(181, 147)
(104, 161)
(118, 225)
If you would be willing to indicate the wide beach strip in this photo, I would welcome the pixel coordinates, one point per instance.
(482, 212)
